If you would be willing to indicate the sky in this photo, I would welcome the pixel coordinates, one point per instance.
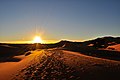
(53, 20)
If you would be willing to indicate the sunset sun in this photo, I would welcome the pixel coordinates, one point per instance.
(37, 39)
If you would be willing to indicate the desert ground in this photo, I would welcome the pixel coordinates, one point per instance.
(61, 61)
(58, 65)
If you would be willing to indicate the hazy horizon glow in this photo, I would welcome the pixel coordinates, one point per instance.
(76, 20)
(44, 41)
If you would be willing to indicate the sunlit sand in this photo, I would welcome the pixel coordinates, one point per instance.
(62, 60)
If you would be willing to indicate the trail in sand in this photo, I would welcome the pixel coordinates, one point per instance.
(54, 64)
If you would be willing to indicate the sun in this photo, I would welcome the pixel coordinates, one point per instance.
(37, 39)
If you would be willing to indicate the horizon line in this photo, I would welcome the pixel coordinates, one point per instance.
(44, 41)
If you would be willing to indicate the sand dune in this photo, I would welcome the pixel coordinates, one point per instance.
(55, 64)
(114, 47)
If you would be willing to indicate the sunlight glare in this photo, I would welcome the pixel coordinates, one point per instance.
(37, 39)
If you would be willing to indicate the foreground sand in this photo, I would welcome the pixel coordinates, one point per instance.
(60, 65)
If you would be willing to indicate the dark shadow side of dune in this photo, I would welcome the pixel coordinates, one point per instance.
(113, 55)
(7, 53)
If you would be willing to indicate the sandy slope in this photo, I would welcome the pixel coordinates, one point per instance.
(60, 64)
(115, 47)
(7, 69)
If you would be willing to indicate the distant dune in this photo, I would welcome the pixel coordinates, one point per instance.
(114, 47)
